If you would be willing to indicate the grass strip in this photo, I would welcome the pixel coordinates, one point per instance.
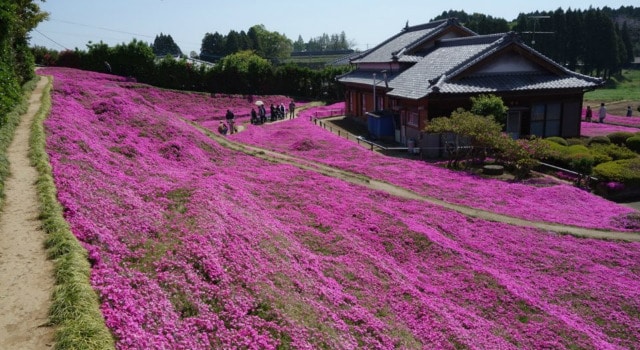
(76, 307)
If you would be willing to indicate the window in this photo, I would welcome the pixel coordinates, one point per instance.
(552, 126)
(413, 119)
(537, 120)
(513, 124)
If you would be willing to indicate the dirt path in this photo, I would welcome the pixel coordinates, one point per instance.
(408, 194)
(26, 276)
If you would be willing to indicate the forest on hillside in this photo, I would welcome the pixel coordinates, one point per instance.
(594, 41)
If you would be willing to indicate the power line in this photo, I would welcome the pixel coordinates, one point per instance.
(103, 28)
(113, 30)
(48, 38)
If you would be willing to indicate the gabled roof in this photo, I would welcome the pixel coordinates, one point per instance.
(408, 39)
(445, 68)
(455, 66)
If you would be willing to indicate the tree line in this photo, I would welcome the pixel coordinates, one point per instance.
(266, 44)
(594, 41)
(243, 72)
(17, 19)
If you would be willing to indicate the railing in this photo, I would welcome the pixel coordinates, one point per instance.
(324, 113)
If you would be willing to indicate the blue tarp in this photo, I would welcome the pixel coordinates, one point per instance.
(380, 126)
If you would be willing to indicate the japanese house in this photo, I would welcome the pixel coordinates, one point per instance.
(429, 70)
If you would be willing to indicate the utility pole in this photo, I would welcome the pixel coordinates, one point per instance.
(374, 93)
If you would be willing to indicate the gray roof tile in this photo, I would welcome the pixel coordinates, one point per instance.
(438, 69)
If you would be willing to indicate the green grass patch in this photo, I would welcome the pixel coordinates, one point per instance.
(75, 312)
(622, 87)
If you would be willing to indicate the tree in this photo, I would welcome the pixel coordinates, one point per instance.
(299, 45)
(626, 40)
(135, 59)
(485, 138)
(213, 47)
(273, 45)
(574, 38)
(164, 45)
(490, 106)
(244, 72)
(480, 131)
(17, 19)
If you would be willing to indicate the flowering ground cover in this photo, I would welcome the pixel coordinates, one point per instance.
(615, 119)
(603, 129)
(319, 112)
(206, 109)
(194, 246)
(559, 203)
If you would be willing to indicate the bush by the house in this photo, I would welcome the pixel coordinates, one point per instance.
(619, 137)
(626, 171)
(603, 140)
(633, 143)
(615, 152)
(557, 139)
(576, 141)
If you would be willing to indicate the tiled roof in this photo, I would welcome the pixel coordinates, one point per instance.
(514, 82)
(439, 69)
(408, 37)
(416, 81)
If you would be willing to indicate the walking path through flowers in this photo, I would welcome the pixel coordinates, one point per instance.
(405, 193)
(26, 281)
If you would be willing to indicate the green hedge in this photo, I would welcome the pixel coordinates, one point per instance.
(633, 143)
(603, 140)
(626, 171)
(558, 140)
(620, 137)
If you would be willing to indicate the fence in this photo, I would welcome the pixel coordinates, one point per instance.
(319, 113)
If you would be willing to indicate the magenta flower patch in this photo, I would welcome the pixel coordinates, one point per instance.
(195, 246)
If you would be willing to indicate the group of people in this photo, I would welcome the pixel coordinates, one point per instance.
(276, 113)
(231, 119)
(602, 113)
(257, 117)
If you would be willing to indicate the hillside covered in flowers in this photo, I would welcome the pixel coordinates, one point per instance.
(195, 246)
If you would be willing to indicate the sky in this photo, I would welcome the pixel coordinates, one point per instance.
(75, 23)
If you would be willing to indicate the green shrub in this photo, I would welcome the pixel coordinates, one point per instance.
(619, 137)
(603, 140)
(613, 151)
(576, 141)
(582, 164)
(633, 143)
(558, 140)
(626, 171)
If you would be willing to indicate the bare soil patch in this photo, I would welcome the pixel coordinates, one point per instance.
(27, 281)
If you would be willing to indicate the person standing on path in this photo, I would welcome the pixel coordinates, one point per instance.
(292, 109)
(602, 113)
(230, 120)
(629, 112)
(589, 114)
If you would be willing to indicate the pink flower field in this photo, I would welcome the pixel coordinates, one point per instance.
(598, 129)
(195, 246)
(559, 203)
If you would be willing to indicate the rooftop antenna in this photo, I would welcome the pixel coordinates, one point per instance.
(535, 21)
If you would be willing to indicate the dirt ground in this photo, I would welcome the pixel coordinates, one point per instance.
(26, 282)
(616, 108)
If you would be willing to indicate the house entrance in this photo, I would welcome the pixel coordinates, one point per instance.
(514, 121)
